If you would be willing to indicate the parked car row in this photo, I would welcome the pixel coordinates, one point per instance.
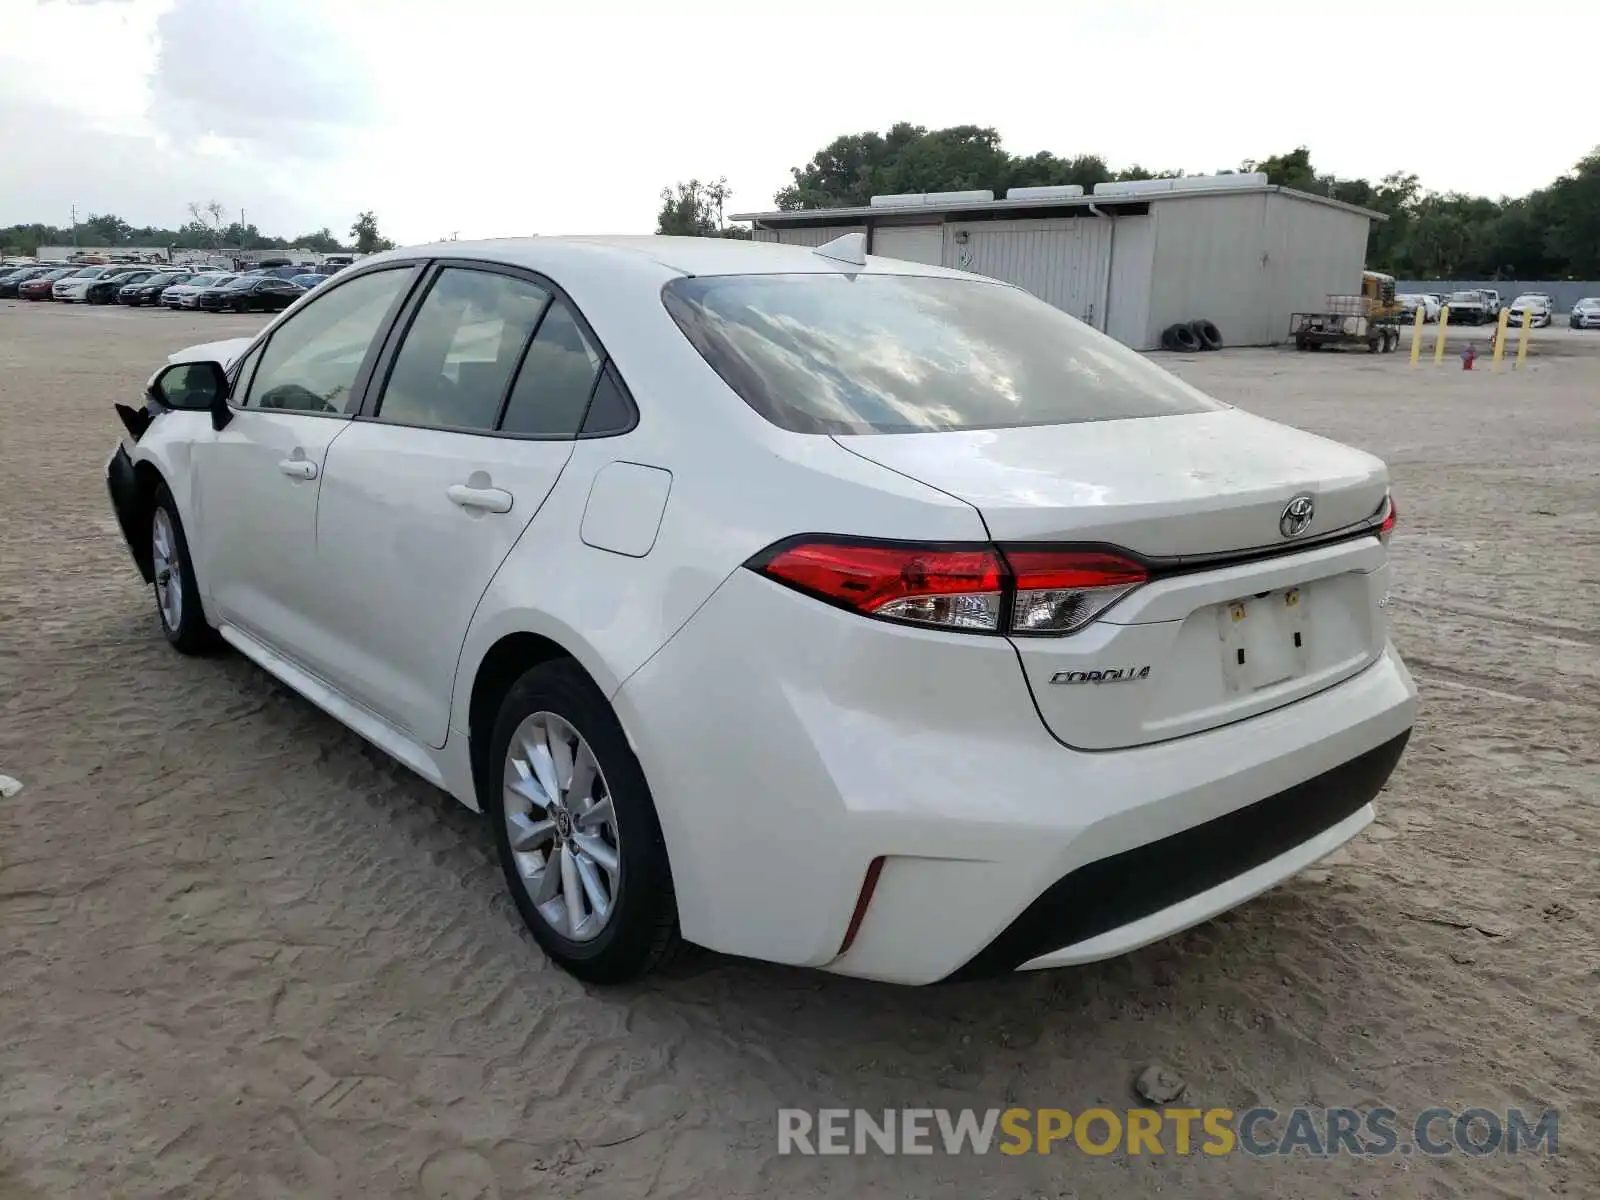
(263, 289)
(1479, 306)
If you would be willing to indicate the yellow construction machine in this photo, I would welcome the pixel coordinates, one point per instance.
(1371, 319)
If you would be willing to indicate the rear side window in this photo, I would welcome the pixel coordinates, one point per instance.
(557, 376)
(842, 354)
(463, 345)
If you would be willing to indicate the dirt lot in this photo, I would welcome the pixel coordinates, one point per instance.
(242, 954)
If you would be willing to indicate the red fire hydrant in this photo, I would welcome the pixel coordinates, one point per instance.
(1468, 357)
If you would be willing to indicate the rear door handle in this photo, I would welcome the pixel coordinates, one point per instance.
(495, 500)
(297, 468)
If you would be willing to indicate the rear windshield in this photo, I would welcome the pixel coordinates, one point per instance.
(843, 354)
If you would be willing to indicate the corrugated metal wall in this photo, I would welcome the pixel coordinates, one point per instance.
(1243, 261)
(1312, 251)
(1247, 262)
(807, 235)
(1133, 251)
(912, 243)
(1207, 263)
(1064, 262)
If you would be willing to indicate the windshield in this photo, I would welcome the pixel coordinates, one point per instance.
(1520, 300)
(239, 285)
(1469, 297)
(1587, 303)
(863, 353)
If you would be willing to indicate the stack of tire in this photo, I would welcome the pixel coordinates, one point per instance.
(1189, 336)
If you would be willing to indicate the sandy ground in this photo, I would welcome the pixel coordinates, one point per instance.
(242, 954)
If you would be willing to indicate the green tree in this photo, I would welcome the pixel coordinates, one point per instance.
(1574, 215)
(322, 241)
(696, 209)
(851, 169)
(367, 238)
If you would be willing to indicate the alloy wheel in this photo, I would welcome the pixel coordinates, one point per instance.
(168, 574)
(562, 826)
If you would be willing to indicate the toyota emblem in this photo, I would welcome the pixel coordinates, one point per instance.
(1297, 515)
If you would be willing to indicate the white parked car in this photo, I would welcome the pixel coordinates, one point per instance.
(1410, 302)
(187, 293)
(74, 288)
(825, 609)
(1585, 313)
(1534, 309)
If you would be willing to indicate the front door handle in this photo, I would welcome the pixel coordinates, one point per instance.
(298, 468)
(495, 500)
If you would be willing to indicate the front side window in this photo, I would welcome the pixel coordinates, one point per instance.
(313, 359)
(844, 354)
(461, 350)
(557, 376)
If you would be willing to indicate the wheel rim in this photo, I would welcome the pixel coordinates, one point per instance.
(562, 826)
(164, 561)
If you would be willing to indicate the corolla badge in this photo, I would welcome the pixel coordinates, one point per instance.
(1297, 514)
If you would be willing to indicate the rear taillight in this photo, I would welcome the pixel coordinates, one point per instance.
(968, 588)
(953, 587)
(1058, 591)
(1387, 523)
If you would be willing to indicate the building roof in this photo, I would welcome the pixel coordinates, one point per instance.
(1029, 207)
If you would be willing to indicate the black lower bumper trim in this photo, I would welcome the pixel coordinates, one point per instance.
(1112, 892)
(123, 485)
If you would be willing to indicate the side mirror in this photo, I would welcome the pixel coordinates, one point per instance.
(194, 387)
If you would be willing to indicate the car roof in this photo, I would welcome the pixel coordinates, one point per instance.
(652, 257)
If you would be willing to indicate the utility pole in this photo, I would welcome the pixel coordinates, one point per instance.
(74, 226)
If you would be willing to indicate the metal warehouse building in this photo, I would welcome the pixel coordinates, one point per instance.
(1130, 259)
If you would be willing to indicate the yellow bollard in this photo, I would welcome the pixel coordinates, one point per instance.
(1500, 337)
(1438, 345)
(1522, 342)
(1416, 334)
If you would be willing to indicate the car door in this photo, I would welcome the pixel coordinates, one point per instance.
(470, 422)
(258, 479)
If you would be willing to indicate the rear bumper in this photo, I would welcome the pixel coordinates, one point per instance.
(790, 744)
(1127, 900)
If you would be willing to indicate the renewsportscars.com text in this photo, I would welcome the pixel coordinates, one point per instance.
(1260, 1132)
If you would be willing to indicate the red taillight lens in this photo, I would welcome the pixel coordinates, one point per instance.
(1058, 591)
(1390, 516)
(968, 588)
(956, 588)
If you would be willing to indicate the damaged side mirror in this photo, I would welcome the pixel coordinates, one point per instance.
(194, 387)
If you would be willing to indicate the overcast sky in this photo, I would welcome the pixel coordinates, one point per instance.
(505, 117)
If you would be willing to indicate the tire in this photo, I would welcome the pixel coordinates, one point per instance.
(183, 624)
(1183, 339)
(1301, 344)
(1375, 344)
(1169, 340)
(1209, 336)
(640, 928)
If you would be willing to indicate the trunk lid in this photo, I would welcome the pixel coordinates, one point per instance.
(1204, 642)
(1184, 485)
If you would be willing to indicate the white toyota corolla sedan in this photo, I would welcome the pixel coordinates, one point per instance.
(815, 607)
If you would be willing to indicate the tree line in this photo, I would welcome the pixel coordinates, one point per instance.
(1551, 233)
(205, 230)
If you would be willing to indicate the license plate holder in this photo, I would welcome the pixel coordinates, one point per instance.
(1266, 640)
